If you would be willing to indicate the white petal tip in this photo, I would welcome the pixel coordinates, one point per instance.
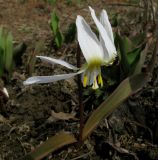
(89, 7)
(25, 83)
(5, 92)
(30, 80)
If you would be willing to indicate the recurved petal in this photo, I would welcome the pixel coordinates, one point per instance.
(106, 24)
(88, 41)
(57, 61)
(108, 45)
(49, 79)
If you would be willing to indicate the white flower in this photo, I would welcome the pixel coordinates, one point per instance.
(97, 52)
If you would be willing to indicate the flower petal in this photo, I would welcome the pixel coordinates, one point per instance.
(57, 61)
(108, 46)
(48, 79)
(88, 41)
(106, 24)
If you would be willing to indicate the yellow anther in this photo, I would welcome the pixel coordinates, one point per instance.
(100, 80)
(85, 80)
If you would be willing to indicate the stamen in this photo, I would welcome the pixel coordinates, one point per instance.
(100, 80)
(95, 84)
(85, 80)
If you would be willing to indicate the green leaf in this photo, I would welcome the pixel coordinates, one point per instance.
(52, 2)
(70, 33)
(58, 39)
(141, 61)
(1, 62)
(55, 29)
(6, 45)
(127, 44)
(54, 22)
(114, 20)
(69, 2)
(18, 51)
(134, 57)
(126, 88)
(111, 74)
(122, 92)
(138, 39)
(2, 41)
(123, 45)
(52, 144)
(8, 52)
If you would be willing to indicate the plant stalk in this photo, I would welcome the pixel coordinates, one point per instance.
(81, 109)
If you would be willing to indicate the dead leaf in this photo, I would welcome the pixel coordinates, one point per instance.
(2, 119)
(61, 116)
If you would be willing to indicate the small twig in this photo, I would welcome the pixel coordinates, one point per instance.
(81, 109)
(81, 156)
(22, 145)
(152, 11)
(154, 58)
(125, 5)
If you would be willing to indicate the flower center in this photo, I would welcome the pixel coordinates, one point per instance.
(93, 78)
(94, 63)
(92, 75)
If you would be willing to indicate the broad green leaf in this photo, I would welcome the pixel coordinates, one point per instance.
(141, 61)
(70, 33)
(2, 39)
(1, 62)
(58, 39)
(114, 20)
(52, 2)
(125, 67)
(134, 57)
(54, 22)
(69, 2)
(18, 51)
(126, 88)
(127, 44)
(52, 144)
(55, 29)
(122, 92)
(131, 56)
(138, 39)
(8, 52)
(1, 52)
(111, 73)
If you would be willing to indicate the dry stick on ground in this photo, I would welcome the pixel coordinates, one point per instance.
(124, 5)
(152, 11)
(148, 10)
(81, 109)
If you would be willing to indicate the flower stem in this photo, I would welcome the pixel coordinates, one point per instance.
(81, 109)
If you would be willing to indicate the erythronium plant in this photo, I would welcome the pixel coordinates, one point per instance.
(97, 52)
(127, 87)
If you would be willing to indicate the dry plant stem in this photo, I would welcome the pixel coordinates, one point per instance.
(81, 109)
(125, 5)
(152, 11)
(146, 11)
